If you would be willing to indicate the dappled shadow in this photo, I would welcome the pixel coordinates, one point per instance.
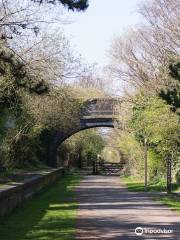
(108, 211)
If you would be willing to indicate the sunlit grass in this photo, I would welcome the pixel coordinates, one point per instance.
(171, 201)
(136, 185)
(50, 215)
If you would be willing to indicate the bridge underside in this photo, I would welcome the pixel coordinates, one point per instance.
(85, 123)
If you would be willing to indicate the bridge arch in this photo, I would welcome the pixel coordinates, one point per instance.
(97, 112)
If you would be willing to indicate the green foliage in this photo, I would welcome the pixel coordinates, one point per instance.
(83, 147)
(133, 153)
(34, 106)
(58, 109)
(156, 122)
(156, 166)
(19, 141)
(172, 95)
(150, 69)
(4, 117)
(15, 78)
(62, 154)
(151, 120)
(23, 144)
(20, 149)
(136, 122)
(110, 154)
(177, 176)
(92, 146)
(37, 106)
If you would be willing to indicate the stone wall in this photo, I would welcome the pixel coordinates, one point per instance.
(12, 196)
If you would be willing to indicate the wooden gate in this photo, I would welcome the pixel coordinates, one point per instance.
(109, 168)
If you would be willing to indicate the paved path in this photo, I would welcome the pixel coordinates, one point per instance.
(108, 211)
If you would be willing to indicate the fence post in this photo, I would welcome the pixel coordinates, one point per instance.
(169, 177)
(145, 164)
(94, 167)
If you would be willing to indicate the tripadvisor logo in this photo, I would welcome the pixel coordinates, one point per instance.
(139, 231)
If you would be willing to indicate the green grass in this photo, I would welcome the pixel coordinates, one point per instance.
(50, 215)
(171, 201)
(136, 185)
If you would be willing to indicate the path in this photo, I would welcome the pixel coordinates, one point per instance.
(108, 211)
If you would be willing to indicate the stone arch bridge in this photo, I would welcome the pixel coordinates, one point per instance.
(99, 112)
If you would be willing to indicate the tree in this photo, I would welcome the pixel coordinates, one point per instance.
(132, 152)
(51, 57)
(18, 17)
(16, 77)
(36, 69)
(172, 95)
(154, 120)
(59, 109)
(79, 5)
(145, 62)
(81, 148)
(142, 57)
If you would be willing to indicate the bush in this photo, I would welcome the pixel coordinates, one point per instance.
(19, 150)
(156, 166)
(133, 153)
(177, 177)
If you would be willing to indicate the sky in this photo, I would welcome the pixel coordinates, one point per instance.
(92, 31)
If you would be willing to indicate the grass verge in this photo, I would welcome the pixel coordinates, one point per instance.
(172, 201)
(49, 215)
(137, 185)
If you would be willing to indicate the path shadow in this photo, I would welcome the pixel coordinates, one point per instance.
(108, 211)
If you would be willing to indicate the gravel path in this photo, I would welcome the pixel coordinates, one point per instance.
(108, 211)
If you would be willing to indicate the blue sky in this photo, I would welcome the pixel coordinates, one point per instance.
(92, 31)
